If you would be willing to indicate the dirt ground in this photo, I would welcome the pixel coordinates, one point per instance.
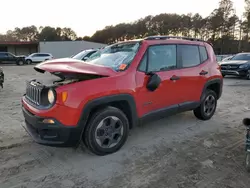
(177, 152)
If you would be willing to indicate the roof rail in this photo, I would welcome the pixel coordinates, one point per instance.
(162, 37)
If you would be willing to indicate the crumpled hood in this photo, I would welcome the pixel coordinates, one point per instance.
(69, 65)
(235, 62)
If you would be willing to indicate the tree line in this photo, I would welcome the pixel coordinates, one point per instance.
(227, 32)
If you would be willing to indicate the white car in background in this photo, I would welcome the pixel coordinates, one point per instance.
(84, 55)
(38, 57)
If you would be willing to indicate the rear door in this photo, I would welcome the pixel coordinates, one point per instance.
(193, 72)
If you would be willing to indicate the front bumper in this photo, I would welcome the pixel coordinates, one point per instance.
(239, 72)
(50, 134)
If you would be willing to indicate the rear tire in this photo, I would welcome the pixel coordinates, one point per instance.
(106, 132)
(207, 107)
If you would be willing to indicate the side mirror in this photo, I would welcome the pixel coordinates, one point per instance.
(153, 82)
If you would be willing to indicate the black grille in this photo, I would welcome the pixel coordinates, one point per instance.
(33, 92)
(229, 67)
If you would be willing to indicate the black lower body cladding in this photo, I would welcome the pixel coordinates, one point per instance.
(50, 134)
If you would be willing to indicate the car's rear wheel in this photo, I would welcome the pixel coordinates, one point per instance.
(208, 106)
(106, 132)
(20, 62)
(28, 62)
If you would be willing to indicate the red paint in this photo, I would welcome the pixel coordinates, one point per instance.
(130, 81)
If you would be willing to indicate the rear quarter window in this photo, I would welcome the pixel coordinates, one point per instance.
(190, 55)
(203, 53)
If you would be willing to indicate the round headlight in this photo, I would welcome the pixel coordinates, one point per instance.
(51, 96)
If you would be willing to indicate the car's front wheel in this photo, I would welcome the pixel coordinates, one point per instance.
(20, 62)
(208, 106)
(106, 132)
(28, 61)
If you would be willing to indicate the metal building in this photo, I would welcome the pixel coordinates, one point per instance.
(58, 49)
(61, 49)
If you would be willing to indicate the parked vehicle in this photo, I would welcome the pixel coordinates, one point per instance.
(9, 58)
(1, 77)
(98, 101)
(227, 58)
(246, 122)
(84, 55)
(38, 57)
(239, 65)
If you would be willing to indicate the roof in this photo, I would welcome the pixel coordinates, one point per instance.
(18, 42)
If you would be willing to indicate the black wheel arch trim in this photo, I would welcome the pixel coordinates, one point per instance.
(213, 81)
(105, 100)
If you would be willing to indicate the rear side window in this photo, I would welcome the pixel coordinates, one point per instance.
(190, 55)
(43, 55)
(203, 53)
(3, 55)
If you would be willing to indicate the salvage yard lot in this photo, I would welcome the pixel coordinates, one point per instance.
(179, 151)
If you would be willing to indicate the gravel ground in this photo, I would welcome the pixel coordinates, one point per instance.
(179, 151)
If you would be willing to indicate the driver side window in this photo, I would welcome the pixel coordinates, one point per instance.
(160, 58)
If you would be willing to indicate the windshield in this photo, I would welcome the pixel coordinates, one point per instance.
(115, 56)
(81, 54)
(241, 57)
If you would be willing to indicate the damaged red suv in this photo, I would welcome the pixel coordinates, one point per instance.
(98, 101)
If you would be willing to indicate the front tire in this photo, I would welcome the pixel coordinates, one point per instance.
(207, 107)
(106, 132)
(28, 62)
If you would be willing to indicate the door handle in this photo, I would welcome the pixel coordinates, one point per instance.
(203, 72)
(175, 78)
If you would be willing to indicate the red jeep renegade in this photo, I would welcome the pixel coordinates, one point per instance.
(98, 101)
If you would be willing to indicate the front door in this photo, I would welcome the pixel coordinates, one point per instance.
(162, 60)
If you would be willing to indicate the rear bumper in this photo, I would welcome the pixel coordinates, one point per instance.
(50, 134)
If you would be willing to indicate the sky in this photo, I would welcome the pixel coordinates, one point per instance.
(85, 16)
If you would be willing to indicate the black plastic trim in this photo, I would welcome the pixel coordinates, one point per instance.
(105, 100)
(65, 136)
(168, 111)
(213, 81)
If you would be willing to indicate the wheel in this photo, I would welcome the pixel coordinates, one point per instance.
(106, 132)
(248, 76)
(207, 107)
(20, 62)
(28, 62)
(247, 162)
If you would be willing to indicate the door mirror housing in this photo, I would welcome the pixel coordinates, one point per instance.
(153, 82)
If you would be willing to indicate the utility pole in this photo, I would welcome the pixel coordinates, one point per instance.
(239, 47)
